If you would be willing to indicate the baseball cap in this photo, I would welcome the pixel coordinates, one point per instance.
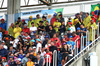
(23, 20)
(34, 47)
(70, 23)
(2, 19)
(32, 40)
(46, 37)
(70, 36)
(38, 39)
(28, 37)
(11, 57)
(4, 58)
(55, 14)
(64, 43)
(6, 32)
(78, 28)
(18, 59)
(30, 17)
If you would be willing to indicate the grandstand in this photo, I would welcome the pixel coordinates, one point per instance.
(49, 32)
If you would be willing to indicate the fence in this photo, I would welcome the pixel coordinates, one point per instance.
(85, 43)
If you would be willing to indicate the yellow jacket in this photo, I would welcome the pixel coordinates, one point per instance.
(17, 32)
(29, 23)
(90, 30)
(30, 63)
(56, 25)
(86, 21)
(36, 22)
(10, 31)
(44, 22)
(19, 23)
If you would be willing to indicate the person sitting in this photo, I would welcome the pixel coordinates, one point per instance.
(26, 29)
(56, 25)
(3, 25)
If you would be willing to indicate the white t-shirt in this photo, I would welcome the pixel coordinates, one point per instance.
(33, 29)
(43, 53)
(72, 29)
(5, 47)
(42, 38)
(37, 47)
(15, 44)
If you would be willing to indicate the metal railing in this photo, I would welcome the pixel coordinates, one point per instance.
(91, 44)
(55, 58)
(84, 46)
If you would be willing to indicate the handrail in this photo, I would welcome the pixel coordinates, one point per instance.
(80, 52)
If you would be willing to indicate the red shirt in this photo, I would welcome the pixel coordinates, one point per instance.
(67, 39)
(26, 30)
(49, 59)
(74, 38)
(52, 20)
(94, 18)
(58, 44)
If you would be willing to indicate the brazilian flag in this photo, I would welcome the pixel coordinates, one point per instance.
(95, 8)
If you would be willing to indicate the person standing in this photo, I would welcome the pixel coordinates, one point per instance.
(17, 31)
(30, 21)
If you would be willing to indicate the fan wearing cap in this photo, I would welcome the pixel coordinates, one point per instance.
(39, 46)
(30, 21)
(94, 16)
(70, 20)
(65, 51)
(3, 25)
(6, 36)
(44, 20)
(71, 44)
(92, 24)
(18, 22)
(77, 23)
(4, 61)
(65, 39)
(56, 25)
(71, 27)
(18, 62)
(41, 27)
(33, 29)
(32, 42)
(26, 29)
(10, 29)
(87, 19)
(45, 41)
(23, 23)
(53, 19)
(37, 20)
(17, 30)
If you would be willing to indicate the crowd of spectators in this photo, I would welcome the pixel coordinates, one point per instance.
(29, 44)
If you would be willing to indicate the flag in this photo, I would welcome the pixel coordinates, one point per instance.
(95, 8)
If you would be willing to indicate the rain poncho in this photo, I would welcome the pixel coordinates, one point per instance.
(29, 23)
(92, 33)
(86, 21)
(17, 32)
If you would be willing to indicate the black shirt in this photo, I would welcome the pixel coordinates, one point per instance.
(41, 27)
(51, 32)
(47, 28)
(52, 48)
(12, 63)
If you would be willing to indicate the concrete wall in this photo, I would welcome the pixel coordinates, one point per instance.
(80, 61)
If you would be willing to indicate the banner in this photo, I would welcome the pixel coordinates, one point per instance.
(47, 13)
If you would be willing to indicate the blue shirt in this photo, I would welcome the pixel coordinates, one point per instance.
(3, 25)
(21, 56)
(71, 43)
